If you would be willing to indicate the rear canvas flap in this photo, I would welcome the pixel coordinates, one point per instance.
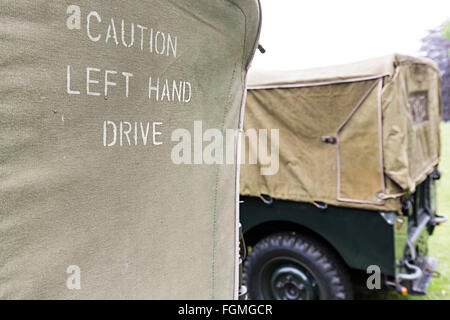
(411, 108)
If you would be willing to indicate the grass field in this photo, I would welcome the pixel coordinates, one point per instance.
(439, 243)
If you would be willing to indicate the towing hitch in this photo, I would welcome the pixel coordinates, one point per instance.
(420, 277)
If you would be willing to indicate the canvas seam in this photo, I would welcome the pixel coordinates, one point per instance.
(244, 73)
(226, 109)
(319, 83)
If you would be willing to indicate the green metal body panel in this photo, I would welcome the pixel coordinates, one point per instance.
(361, 237)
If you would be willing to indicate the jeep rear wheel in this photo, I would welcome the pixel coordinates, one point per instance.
(288, 266)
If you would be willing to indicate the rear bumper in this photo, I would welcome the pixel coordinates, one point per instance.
(428, 268)
(419, 278)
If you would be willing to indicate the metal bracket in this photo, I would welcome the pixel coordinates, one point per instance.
(389, 217)
(329, 139)
(266, 199)
(438, 220)
(261, 49)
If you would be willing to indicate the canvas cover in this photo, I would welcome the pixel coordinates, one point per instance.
(359, 135)
(91, 205)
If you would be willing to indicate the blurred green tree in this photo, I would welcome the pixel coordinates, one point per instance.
(446, 30)
(436, 46)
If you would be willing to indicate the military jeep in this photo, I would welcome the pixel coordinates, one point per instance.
(355, 194)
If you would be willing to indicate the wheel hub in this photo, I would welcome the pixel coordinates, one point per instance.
(291, 283)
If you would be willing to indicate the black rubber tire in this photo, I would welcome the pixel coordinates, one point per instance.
(323, 265)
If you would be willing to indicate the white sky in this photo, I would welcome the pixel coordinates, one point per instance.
(299, 34)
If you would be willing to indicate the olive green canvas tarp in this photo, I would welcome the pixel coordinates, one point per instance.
(359, 135)
(91, 204)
